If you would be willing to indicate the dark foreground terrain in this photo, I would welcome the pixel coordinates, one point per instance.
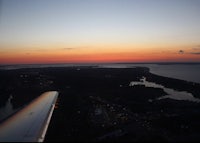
(97, 104)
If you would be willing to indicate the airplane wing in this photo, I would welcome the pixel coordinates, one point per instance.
(30, 123)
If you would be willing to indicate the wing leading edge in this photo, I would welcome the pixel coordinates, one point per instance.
(30, 123)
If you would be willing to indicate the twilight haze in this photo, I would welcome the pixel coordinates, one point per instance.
(76, 31)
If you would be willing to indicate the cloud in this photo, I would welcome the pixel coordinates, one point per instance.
(196, 48)
(181, 52)
(68, 48)
(195, 53)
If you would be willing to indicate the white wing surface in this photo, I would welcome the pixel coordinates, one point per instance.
(30, 123)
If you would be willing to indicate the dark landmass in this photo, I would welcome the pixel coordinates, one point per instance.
(162, 63)
(97, 104)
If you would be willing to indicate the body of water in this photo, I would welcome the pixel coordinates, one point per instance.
(170, 93)
(7, 109)
(179, 71)
(188, 72)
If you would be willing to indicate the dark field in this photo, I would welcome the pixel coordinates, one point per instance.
(97, 104)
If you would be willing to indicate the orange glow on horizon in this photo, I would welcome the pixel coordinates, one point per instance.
(95, 54)
(92, 56)
(80, 32)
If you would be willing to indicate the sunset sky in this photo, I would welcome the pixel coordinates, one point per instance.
(78, 31)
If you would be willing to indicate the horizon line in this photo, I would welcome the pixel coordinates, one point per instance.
(82, 63)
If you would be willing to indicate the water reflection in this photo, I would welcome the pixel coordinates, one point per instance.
(171, 93)
(7, 109)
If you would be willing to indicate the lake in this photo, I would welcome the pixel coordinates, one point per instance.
(188, 72)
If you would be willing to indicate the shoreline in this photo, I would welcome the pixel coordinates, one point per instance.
(171, 70)
(106, 105)
(152, 77)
